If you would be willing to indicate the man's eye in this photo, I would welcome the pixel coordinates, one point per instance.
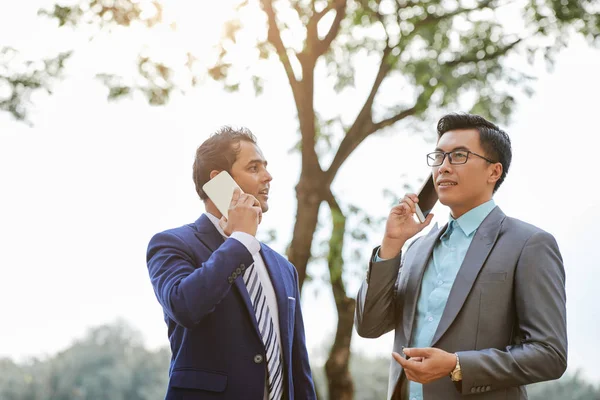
(460, 156)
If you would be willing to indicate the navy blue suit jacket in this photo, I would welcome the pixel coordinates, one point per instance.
(217, 349)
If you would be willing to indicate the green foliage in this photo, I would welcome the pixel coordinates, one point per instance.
(571, 387)
(110, 363)
(21, 78)
(106, 13)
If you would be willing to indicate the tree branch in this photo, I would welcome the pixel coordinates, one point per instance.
(336, 244)
(274, 37)
(363, 122)
(473, 57)
(432, 18)
(340, 13)
(393, 119)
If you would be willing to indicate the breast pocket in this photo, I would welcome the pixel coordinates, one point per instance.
(291, 315)
(490, 277)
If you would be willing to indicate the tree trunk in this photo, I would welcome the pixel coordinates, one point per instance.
(308, 195)
(339, 380)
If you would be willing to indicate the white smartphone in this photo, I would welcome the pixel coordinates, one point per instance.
(427, 199)
(220, 190)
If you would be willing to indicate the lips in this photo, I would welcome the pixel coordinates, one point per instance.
(446, 183)
(264, 192)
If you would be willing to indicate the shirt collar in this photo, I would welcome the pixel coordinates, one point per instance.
(215, 222)
(470, 221)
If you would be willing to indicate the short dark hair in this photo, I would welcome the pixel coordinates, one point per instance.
(494, 141)
(218, 152)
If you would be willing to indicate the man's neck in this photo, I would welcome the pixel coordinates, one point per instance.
(210, 207)
(458, 212)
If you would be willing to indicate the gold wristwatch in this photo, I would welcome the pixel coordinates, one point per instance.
(456, 374)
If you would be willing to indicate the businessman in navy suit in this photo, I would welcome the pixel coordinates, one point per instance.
(231, 304)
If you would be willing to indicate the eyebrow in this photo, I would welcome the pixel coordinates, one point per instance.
(454, 149)
(257, 161)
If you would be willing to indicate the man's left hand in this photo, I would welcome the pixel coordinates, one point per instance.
(427, 364)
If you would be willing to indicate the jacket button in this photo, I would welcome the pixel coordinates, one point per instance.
(242, 266)
(230, 279)
(258, 359)
(234, 275)
(238, 271)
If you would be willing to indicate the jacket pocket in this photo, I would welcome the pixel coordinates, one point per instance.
(291, 315)
(198, 379)
(492, 277)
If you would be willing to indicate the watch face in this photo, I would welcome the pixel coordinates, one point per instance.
(457, 375)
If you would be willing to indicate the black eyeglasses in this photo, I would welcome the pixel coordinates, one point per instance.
(436, 158)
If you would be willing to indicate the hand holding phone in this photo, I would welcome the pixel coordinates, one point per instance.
(245, 214)
(241, 211)
(401, 226)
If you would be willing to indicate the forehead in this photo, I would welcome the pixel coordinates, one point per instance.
(249, 151)
(468, 138)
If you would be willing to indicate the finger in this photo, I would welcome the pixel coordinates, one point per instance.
(399, 359)
(255, 203)
(401, 210)
(428, 220)
(247, 200)
(223, 225)
(413, 197)
(411, 203)
(236, 196)
(418, 352)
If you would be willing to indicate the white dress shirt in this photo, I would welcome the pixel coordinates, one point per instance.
(253, 246)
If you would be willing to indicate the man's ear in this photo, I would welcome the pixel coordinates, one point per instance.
(214, 173)
(495, 173)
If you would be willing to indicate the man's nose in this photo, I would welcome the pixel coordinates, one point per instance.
(445, 166)
(268, 177)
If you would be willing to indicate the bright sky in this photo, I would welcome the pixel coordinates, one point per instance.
(85, 188)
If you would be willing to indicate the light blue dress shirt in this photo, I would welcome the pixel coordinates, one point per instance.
(448, 255)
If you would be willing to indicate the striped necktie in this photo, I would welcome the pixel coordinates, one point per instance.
(267, 332)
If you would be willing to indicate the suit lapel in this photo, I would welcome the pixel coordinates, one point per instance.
(478, 251)
(272, 263)
(415, 276)
(210, 236)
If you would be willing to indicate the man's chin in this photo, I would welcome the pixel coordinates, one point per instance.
(264, 207)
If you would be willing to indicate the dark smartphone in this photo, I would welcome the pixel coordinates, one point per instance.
(427, 199)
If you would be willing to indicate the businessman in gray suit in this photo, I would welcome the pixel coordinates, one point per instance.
(478, 306)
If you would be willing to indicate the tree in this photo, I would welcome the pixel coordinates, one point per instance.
(21, 78)
(444, 55)
(110, 363)
(571, 387)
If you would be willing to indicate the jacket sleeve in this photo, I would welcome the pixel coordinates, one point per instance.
(377, 297)
(540, 353)
(187, 291)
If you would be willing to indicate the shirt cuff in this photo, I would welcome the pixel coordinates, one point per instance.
(249, 241)
(376, 257)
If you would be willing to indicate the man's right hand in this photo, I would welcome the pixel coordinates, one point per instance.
(244, 214)
(401, 226)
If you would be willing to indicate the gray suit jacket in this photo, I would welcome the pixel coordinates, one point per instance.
(505, 315)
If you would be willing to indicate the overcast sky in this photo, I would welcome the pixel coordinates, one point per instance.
(87, 185)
